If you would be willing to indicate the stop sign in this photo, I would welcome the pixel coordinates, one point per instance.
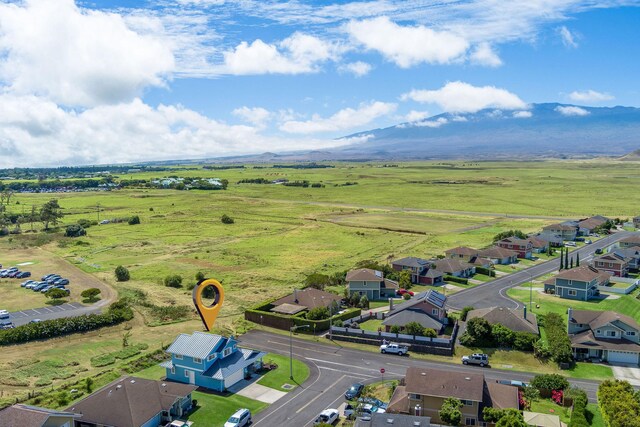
(382, 370)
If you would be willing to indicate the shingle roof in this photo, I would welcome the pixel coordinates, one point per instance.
(393, 420)
(448, 265)
(287, 308)
(596, 319)
(433, 273)
(508, 317)
(537, 242)
(591, 223)
(586, 339)
(498, 252)
(462, 250)
(501, 396)
(309, 298)
(631, 239)
(364, 274)
(584, 273)
(411, 262)
(390, 284)
(399, 402)
(542, 420)
(199, 345)
(440, 383)
(612, 258)
(20, 415)
(630, 252)
(515, 241)
(563, 227)
(130, 401)
(409, 315)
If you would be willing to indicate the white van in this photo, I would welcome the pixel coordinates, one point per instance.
(241, 418)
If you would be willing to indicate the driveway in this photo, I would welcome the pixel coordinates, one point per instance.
(628, 373)
(255, 391)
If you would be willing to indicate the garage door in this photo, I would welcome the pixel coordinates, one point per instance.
(623, 357)
(234, 378)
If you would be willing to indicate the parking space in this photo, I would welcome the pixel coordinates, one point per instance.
(45, 310)
(23, 317)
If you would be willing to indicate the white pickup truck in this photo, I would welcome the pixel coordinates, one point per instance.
(394, 348)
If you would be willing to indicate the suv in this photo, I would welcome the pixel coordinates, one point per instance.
(328, 416)
(354, 391)
(241, 418)
(476, 359)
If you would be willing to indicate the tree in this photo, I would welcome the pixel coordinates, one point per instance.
(134, 220)
(450, 411)
(354, 299)
(561, 259)
(395, 329)
(50, 213)
(318, 313)
(404, 280)
(511, 419)
(502, 335)
(173, 281)
(125, 339)
(75, 230)
(465, 311)
(571, 263)
(90, 294)
(577, 260)
(414, 328)
(56, 294)
(430, 332)
(511, 233)
(200, 276)
(364, 302)
(549, 382)
(88, 384)
(530, 395)
(566, 258)
(226, 219)
(122, 274)
(317, 280)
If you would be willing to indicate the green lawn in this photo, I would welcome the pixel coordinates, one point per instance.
(280, 376)
(594, 416)
(590, 371)
(214, 410)
(153, 373)
(548, 406)
(371, 325)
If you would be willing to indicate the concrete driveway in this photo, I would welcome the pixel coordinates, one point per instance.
(255, 391)
(628, 373)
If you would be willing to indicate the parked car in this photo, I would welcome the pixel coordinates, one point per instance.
(61, 281)
(520, 384)
(354, 391)
(373, 401)
(46, 276)
(569, 243)
(23, 275)
(328, 416)
(241, 418)
(14, 274)
(401, 292)
(46, 288)
(4, 314)
(52, 279)
(34, 284)
(476, 359)
(40, 286)
(6, 324)
(598, 251)
(394, 348)
(36, 321)
(588, 242)
(26, 282)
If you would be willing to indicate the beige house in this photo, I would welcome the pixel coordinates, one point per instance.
(423, 391)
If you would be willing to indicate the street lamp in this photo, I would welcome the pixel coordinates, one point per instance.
(291, 329)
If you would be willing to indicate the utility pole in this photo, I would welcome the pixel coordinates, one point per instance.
(291, 329)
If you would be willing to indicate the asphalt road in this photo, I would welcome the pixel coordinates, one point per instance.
(71, 309)
(334, 368)
(493, 293)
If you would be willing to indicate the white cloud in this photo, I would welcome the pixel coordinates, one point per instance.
(483, 54)
(432, 123)
(463, 97)
(568, 39)
(347, 118)
(522, 114)
(299, 53)
(254, 115)
(77, 57)
(414, 116)
(590, 96)
(357, 68)
(571, 111)
(407, 46)
(37, 132)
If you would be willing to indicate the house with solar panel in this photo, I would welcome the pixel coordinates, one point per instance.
(427, 308)
(210, 361)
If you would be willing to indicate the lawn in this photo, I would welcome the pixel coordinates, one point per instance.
(215, 410)
(594, 416)
(371, 325)
(280, 376)
(548, 406)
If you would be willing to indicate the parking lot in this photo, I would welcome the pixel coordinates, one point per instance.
(46, 313)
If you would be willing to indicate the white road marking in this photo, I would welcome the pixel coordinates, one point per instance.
(322, 393)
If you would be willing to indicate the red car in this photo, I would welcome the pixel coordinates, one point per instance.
(404, 291)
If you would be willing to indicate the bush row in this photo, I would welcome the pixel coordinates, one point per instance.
(480, 333)
(578, 415)
(559, 348)
(486, 271)
(449, 278)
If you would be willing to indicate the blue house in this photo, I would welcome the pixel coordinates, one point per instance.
(210, 361)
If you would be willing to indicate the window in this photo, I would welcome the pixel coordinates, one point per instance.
(598, 332)
(173, 370)
(610, 264)
(197, 360)
(414, 396)
(466, 402)
(226, 352)
(611, 333)
(435, 311)
(186, 373)
(178, 356)
(470, 421)
(211, 357)
(570, 281)
(631, 333)
(572, 293)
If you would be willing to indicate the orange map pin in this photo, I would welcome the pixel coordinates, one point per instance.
(208, 313)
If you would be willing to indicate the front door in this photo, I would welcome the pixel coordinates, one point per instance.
(192, 377)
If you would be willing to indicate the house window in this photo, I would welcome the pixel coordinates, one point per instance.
(178, 356)
(414, 396)
(572, 293)
(197, 360)
(631, 333)
(211, 357)
(610, 264)
(611, 333)
(570, 281)
(435, 311)
(186, 373)
(470, 421)
(467, 402)
(598, 332)
(226, 352)
(173, 370)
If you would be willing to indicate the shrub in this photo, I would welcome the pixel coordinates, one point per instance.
(55, 293)
(173, 281)
(455, 279)
(559, 342)
(578, 414)
(226, 219)
(450, 411)
(122, 274)
(354, 299)
(406, 296)
(364, 302)
(134, 220)
(414, 328)
(102, 360)
(200, 276)
(90, 293)
(550, 382)
(395, 329)
(85, 223)
(318, 313)
(317, 280)
(465, 311)
(75, 230)
(618, 404)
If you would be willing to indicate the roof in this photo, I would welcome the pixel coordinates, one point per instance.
(20, 415)
(513, 319)
(409, 315)
(421, 297)
(631, 239)
(199, 345)
(448, 265)
(365, 275)
(435, 298)
(130, 401)
(562, 227)
(394, 420)
(498, 252)
(462, 250)
(390, 284)
(439, 383)
(584, 273)
(515, 241)
(411, 262)
(308, 298)
(223, 367)
(501, 396)
(630, 252)
(433, 273)
(542, 420)
(586, 339)
(611, 258)
(288, 308)
(537, 242)
(481, 261)
(399, 402)
(591, 223)
(596, 319)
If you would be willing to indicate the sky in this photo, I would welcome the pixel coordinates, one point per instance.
(97, 82)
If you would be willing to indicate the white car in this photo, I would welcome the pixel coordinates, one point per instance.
(241, 418)
(4, 314)
(328, 416)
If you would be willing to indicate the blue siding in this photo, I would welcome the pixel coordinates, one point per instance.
(199, 379)
(580, 294)
(153, 422)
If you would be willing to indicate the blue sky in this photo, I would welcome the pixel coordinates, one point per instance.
(119, 81)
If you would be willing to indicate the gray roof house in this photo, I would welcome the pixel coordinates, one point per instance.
(517, 320)
(393, 420)
(371, 283)
(20, 415)
(428, 309)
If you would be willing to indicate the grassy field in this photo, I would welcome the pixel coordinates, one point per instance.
(280, 376)
(281, 233)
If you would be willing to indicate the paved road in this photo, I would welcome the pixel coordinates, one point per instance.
(335, 368)
(493, 293)
(70, 309)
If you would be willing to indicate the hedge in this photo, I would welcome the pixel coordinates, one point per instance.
(618, 404)
(559, 342)
(578, 414)
(486, 271)
(449, 278)
(118, 312)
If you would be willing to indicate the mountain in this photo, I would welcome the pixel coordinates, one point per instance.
(633, 156)
(543, 130)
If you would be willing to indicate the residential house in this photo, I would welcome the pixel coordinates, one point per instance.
(589, 225)
(479, 261)
(304, 299)
(210, 361)
(632, 254)
(371, 283)
(523, 247)
(630, 241)
(636, 221)
(134, 402)
(455, 267)
(538, 244)
(579, 283)
(613, 263)
(393, 420)
(421, 270)
(565, 231)
(461, 252)
(499, 255)
(537, 419)
(604, 335)
(20, 415)
(423, 391)
(518, 320)
(428, 309)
